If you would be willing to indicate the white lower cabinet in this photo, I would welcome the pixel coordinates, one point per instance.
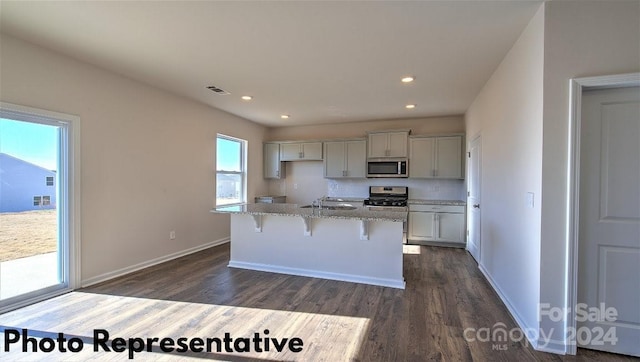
(436, 224)
(422, 225)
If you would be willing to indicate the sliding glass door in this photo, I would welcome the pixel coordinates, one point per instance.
(36, 254)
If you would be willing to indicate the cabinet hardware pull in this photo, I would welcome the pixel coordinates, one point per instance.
(476, 206)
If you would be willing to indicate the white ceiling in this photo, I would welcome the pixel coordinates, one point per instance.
(319, 61)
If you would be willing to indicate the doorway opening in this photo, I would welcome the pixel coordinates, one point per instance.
(39, 205)
(474, 159)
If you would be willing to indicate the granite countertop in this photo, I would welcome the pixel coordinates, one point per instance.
(360, 213)
(437, 202)
(344, 199)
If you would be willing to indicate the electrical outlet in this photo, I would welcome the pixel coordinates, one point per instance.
(172, 235)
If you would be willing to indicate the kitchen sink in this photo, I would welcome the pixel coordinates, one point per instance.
(340, 207)
(336, 207)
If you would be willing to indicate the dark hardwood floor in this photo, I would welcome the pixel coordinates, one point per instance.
(199, 296)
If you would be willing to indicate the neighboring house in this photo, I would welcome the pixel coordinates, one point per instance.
(25, 186)
(228, 187)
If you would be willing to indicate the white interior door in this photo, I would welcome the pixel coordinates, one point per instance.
(473, 198)
(609, 220)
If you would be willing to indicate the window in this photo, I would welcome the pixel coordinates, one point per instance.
(231, 170)
(49, 180)
(50, 140)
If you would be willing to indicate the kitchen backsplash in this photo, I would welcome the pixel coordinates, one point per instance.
(305, 182)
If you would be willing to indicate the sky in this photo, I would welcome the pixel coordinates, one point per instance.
(228, 155)
(31, 142)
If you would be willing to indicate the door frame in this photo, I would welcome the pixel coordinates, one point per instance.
(475, 138)
(68, 199)
(577, 87)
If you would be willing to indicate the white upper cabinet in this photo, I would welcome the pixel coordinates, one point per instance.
(301, 151)
(273, 167)
(388, 144)
(345, 159)
(449, 157)
(436, 157)
(421, 158)
(378, 145)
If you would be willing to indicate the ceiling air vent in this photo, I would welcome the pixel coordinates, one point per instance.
(217, 90)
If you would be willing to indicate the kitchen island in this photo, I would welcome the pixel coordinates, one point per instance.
(341, 243)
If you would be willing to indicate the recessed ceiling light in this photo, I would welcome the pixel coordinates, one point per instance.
(247, 98)
(408, 79)
(284, 116)
(410, 106)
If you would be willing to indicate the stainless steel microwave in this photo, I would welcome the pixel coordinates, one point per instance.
(387, 168)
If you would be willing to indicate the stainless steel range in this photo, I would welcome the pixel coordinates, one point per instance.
(387, 197)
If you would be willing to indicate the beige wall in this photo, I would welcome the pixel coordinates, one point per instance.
(432, 125)
(523, 116)
(582, 38)
(507, 114)
(148, 157)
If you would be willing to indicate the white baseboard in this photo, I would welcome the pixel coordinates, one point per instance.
(533, 340)
(130, 269)
(393, 283)
(551, 346)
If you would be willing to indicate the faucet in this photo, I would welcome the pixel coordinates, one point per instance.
(319, 201)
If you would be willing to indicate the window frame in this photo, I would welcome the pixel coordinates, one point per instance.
(243, 169)
(49, 183)
(68, 196)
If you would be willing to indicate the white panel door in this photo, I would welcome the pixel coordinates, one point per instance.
(473, 198)
(609, 217)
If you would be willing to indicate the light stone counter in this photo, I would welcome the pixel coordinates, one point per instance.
(360, 213)
(436, 202)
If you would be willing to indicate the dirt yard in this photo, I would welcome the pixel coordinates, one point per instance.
(27, 233)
